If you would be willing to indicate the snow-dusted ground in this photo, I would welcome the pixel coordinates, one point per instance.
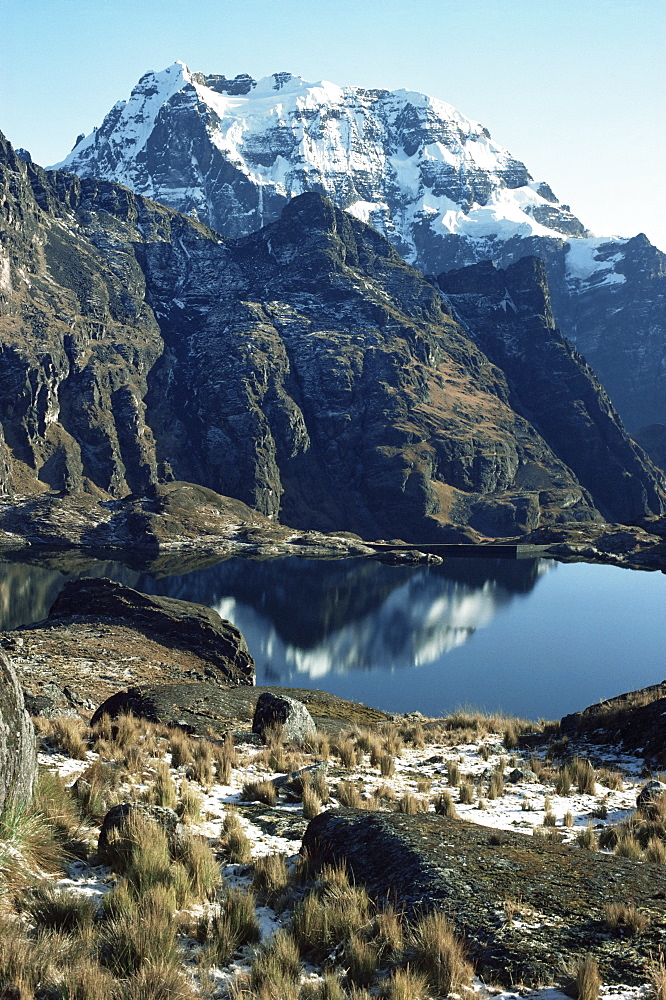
(415, 767)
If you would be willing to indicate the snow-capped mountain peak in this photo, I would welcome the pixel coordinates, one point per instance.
(411, 165)
(234, 151)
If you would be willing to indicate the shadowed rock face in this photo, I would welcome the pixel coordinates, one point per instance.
(509, 315)
(18, 755)
(428, 862)
(440, 189)
(304, 370)
(634, 720)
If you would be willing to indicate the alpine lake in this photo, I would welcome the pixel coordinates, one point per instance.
(530, 637)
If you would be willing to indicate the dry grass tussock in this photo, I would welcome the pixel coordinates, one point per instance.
(624, 918)
(482, 723)
(658, 978)
(31, 845)
(259, 791)
(233, 841)
(270, 877)
(438, 954)
(65, 734)
(227, 930)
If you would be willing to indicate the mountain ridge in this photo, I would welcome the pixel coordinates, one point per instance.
(422, 173)
(305, 370)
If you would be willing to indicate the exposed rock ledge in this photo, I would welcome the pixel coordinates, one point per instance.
(170, 517)
(558, 892)
(184, 519)
(101, 636)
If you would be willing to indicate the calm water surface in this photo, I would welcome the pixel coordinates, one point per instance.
(531, 637)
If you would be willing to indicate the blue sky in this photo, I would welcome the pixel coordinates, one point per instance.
(574, 88)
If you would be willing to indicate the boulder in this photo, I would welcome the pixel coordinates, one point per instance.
(292, 784)
(521, 774)
(649, 793)
(18, 755)
(210, 709)
(428, 862)
(113, 850)
(273, 711)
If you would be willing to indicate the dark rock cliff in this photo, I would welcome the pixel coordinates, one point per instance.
(508, 313)
(305, 370)
(431, 180)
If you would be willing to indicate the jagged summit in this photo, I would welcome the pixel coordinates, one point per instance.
(400, 160)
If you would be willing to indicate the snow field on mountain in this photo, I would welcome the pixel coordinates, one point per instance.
(395, 159)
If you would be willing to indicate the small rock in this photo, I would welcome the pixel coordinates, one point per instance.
(292, 784)
(521, 774)
(279, 710)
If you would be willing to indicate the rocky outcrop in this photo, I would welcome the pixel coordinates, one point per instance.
(18, 755)
(139, 640)
(192, 627)
(304, 370)
(653, 440)
(428, 862)
(204, 708)
(634, 721)
(508, 313)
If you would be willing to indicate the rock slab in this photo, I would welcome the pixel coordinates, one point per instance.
(18, 756)
(206, 709)
(430, 862)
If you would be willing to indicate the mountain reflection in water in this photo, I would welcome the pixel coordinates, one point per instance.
(405, 638)
(306, 618)
(372, 617)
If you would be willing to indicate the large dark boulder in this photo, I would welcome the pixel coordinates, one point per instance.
(181, 624)
(18, 756)
(429, 862)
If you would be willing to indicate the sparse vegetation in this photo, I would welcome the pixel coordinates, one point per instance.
(625, 918)
(348, 795)
(270, 877)
(583, 776)
(466, 795)
(586, 838)
(588, 980)
(411, 804)
(233, 840)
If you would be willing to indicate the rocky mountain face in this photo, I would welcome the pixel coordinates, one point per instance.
(305, 370)
(233, 152)
(508, 312)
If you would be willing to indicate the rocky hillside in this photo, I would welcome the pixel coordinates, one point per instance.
(435, 183)
(509, 316)
(305, 370)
